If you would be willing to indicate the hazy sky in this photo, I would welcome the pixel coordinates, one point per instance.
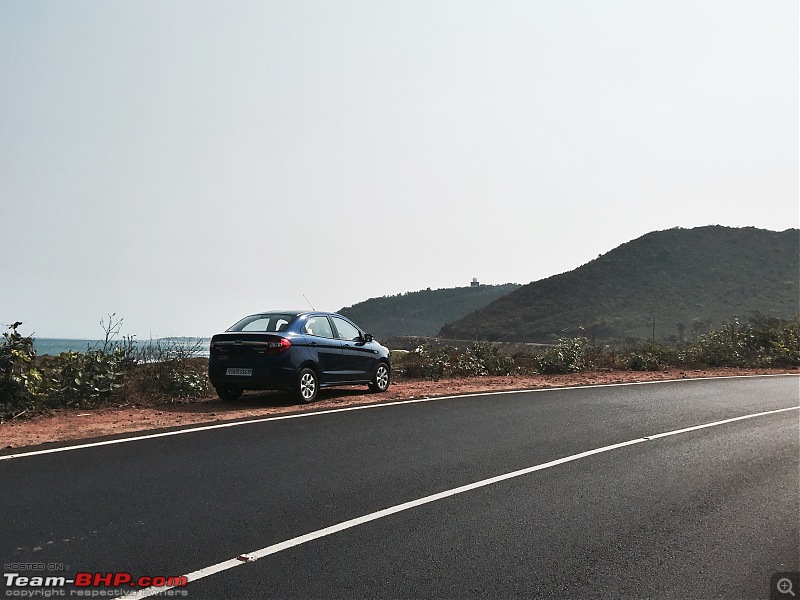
(184, 163)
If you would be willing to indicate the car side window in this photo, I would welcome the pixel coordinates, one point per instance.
(345, 330)
(318, 326)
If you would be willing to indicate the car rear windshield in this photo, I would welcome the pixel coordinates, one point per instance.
(269, 322)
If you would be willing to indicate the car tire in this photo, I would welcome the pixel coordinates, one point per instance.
(380, 378)
(229, 393)
(307, 386)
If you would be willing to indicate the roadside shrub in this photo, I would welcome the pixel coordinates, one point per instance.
(22, 385)
(723, 347)
(429, 361)
(115, 369)
(606, 358)
(171, 367)
(86, 379)
(778, 344)
(468, 365)
(651, 357)
(761, 343)
(568, 356)
(184, 383)
(485, 358)
(643, 361)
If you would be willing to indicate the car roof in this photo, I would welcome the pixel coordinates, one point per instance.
(295, 313)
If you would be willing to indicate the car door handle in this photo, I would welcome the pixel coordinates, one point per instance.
(314, 344)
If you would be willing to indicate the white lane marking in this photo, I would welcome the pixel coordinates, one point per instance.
(150, 436)
(696, 427)
(326, 531)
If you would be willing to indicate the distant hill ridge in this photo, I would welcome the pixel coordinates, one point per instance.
(680, 280)
(422, 313)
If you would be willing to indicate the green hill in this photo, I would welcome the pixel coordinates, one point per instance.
(681, 280)
(422, 313)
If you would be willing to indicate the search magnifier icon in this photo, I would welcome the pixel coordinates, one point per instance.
(785, 586)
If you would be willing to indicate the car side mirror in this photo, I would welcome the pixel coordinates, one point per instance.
(367, 338)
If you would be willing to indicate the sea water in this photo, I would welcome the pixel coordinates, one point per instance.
(55, 346)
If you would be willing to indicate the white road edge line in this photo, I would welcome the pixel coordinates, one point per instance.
(314, 535)
(362, 407)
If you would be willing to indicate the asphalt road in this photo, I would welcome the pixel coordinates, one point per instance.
(709, 513)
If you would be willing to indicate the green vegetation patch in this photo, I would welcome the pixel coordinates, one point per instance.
(116, 370)
(761, 343)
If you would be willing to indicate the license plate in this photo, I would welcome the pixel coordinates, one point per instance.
(243, 372)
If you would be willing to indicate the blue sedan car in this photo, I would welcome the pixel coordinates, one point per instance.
(296, 350)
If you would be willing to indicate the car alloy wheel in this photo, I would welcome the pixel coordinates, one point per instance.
(380, 379)
(307, 385)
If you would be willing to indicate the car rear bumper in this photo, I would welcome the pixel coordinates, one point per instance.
(262, 377)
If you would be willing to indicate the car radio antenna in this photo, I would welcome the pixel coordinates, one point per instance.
(309, 303)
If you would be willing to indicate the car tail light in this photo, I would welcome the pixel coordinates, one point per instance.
(278, 346)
